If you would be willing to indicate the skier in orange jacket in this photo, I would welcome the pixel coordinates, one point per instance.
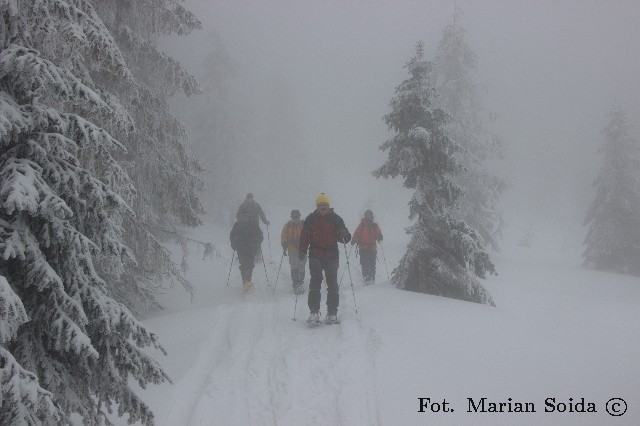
(290, 240)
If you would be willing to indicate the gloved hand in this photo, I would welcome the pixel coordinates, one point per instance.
(284, 250)
(379, 238)
(353, 242)
(344, 236)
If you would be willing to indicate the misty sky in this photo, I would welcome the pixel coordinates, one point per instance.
(549, 70)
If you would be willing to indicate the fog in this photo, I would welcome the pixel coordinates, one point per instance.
(314, 79)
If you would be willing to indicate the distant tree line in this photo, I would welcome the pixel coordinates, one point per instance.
(443, 149)
(612, 242)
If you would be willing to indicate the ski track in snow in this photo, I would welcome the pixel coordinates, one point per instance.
(558, 330)
(324, 375)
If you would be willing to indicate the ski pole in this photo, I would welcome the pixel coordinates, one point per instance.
(344, 268)
(350, 279)
(277, 276)
(294, 308)
(230, 266)
(269, 240)
(265, 266)
(385, 261)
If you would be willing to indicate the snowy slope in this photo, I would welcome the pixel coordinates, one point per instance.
(557, 331)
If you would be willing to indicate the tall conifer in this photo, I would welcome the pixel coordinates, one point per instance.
(65, 345)
(158, 158)
(444, 254)
(458, 95)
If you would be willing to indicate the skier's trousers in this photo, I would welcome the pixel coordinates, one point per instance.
(330, 268)
(297, 267)
(368, 263)
(246, 258)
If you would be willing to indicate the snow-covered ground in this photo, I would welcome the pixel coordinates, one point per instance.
(558, 331)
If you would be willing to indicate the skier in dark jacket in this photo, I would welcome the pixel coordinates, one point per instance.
(322, 231)
(246, 237)
(366, 236)
(253, 209)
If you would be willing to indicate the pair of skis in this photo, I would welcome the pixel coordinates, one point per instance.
(315, 324)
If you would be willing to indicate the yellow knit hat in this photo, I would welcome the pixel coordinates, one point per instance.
(322, 198)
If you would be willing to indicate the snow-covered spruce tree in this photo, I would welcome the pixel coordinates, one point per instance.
(158, 157)
(66, 345)
(444, 254)
(458, 95)
(22, 400)
(613, 239)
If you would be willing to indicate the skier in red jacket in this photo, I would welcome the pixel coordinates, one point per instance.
(367, 234)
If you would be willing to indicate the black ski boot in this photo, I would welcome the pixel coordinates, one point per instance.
(331, 319)
(314, 319)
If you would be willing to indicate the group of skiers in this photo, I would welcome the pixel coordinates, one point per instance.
(315, 239)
